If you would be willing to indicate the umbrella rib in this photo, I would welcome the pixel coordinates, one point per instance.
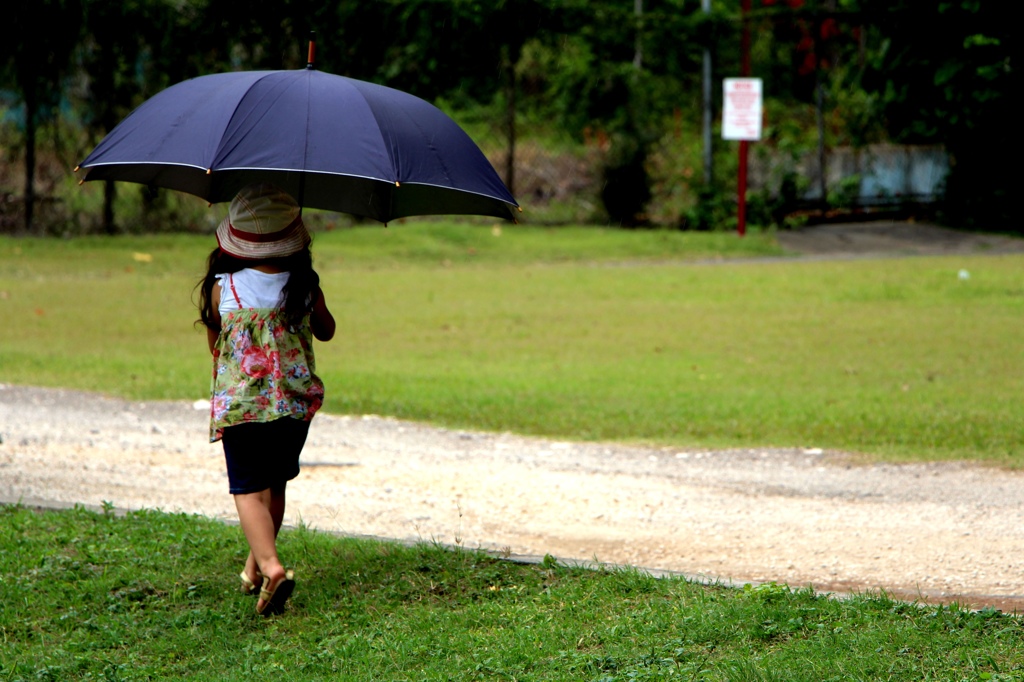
(145, 163)
(369, 177)
(225, 169)
(301, 170)
(460, 189)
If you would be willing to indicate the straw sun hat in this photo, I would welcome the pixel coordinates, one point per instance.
(263, 222)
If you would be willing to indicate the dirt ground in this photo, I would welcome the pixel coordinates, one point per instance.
(893, 239)
(932, 532)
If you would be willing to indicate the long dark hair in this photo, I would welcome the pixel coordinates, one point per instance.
(297, 296)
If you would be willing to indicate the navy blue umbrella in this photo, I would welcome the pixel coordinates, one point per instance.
(332, 142)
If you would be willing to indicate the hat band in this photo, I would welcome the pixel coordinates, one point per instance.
(268, 237)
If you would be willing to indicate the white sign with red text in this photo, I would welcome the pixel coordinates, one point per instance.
(741, 113)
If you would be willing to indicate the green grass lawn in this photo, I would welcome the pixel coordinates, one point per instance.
(685, 339)
(153, 596)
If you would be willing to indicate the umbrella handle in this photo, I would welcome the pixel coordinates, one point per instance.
(309, 65)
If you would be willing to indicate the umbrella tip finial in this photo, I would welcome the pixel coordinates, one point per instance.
(312, 49)
(76, 168)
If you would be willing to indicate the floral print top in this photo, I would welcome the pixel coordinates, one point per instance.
(262, 370)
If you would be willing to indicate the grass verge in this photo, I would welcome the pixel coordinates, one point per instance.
(149, 595)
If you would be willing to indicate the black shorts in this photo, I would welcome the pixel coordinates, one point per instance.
(263, 455)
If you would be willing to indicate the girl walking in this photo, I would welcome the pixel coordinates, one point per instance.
(262, 305)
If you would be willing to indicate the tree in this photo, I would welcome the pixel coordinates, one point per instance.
(917, 73)
(131, 50)
(38, 57)
(943, 73)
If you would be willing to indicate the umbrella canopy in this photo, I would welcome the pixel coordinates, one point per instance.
(332, 142)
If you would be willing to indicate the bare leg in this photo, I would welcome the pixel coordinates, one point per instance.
(261, 514)
(277, 507)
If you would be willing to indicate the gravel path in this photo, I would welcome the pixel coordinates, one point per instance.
(936, 532)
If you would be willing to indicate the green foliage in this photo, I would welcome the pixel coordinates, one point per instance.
(712, 211)
(951, 83)
(675, 167)
(149, 595)
(556, 78)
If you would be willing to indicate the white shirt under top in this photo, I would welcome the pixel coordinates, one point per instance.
(255, 289)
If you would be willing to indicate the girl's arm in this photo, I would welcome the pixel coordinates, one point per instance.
(321, 320)
(211, 333)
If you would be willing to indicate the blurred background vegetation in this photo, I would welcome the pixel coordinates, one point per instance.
(591, 110)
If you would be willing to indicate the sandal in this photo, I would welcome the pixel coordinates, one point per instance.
(273, 600)
(248, 586)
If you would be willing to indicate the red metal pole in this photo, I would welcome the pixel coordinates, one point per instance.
(741, 189)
